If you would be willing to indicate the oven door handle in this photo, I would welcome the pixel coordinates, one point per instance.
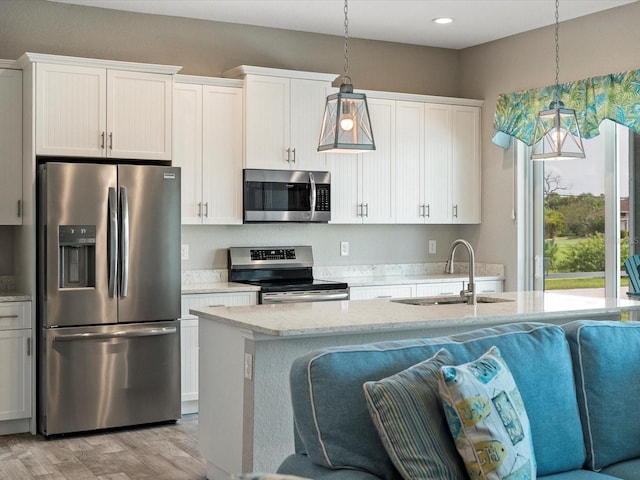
(312, 196)
(304, 297)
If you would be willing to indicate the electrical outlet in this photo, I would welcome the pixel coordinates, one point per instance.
(432, 247)
(344, 249)
(184, 252)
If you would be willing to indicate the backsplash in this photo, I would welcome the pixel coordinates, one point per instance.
(405, 269)
(7, 283)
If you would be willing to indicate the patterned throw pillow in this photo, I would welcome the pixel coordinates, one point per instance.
(487, 419)
(407, 412)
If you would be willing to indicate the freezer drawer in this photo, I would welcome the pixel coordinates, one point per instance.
(109, 376)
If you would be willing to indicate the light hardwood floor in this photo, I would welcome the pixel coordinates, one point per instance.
(163, 452)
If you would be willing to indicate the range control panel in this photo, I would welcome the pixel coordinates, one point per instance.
(274, 254)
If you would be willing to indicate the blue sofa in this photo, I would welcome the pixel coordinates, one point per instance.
(580, 384)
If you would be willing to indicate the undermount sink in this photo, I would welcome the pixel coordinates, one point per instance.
(448, 300)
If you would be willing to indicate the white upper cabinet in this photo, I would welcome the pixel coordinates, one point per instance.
(11, 146)
(94, 109)
(466, 164)
(438, 173)
(207, 143)
(363, 185)
(283, 117)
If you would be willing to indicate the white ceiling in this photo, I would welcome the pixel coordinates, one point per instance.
(404, 21)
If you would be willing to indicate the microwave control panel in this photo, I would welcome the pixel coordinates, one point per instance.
(323, 200)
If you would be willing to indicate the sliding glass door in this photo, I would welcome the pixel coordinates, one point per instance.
(578, 217)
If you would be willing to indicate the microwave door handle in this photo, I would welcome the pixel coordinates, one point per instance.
(124, 245)
(312, 196)
(112, 241)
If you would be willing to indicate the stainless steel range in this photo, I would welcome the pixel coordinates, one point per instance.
(284, 275)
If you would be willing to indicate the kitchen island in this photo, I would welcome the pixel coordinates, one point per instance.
(245, 419)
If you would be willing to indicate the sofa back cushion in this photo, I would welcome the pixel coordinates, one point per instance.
(606, 360)
(333, 422)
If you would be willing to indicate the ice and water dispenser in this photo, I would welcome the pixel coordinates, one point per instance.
(77, 256)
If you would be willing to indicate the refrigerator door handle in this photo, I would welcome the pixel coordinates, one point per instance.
(146, 332)
(124, 245)
(113, 242)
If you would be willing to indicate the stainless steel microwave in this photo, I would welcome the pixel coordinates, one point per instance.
(286, 196)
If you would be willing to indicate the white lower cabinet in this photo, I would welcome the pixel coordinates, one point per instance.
(439, 289)
(16, 367)
(422, 289)
(382, 291)
(189, 338)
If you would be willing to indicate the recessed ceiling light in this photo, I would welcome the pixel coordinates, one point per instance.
(443, 20)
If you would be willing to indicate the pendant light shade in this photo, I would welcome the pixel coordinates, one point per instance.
(557, 135)
(346, 125)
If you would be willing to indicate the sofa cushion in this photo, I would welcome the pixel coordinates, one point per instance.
(606, 356)
(333, 422)
(487, 418)
(407, 413)
(627, 470)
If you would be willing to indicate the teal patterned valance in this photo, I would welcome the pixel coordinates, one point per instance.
(615, 96)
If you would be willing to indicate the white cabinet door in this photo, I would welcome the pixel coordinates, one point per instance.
(139, 115)
(15, 374)
(489, 286)
(267, 131)
(436, 192)
(11, 144)
(439, 289)
(382, 291)
(71, 115)
(466, 165)
(15, 360)
(187, 149)
(346, 206)
(307, 103)
(222, 155)
(378, 167)
(189, 344)
(208, 147)
(410, 207)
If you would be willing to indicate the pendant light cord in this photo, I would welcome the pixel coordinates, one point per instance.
(346, 44)
(557, 91)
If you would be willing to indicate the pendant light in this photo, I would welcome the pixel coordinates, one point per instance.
(557, 135)
(346, 126)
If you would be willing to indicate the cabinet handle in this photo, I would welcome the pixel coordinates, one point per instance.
(28, 346)
(206, 209)
(199, 209)
(428, 207)
(218, 305)
(19, 208)
(455, 211)
(8, 316)
(110, 140)
(288, 155)
(366, 211)
(421, 211)
(383, 296)
(294, 155)
(359, 210)
(102, 140)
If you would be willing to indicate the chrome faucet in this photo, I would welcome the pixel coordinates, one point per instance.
(470, 291)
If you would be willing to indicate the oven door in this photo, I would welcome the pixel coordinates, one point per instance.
(298, 296)
(286, 196)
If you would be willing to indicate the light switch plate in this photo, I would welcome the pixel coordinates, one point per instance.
(184, 252)
(432, 247)
(344, 249)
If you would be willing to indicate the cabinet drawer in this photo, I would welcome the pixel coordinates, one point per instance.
(14, 315)
(489, 286)
(382, 291)
(439, 289)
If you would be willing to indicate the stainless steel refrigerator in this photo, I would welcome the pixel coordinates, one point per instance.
(108, 296)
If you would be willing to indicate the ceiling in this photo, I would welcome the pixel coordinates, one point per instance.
(403, 21)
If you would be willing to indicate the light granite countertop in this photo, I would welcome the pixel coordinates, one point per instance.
(325, 318)
(14, 297)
